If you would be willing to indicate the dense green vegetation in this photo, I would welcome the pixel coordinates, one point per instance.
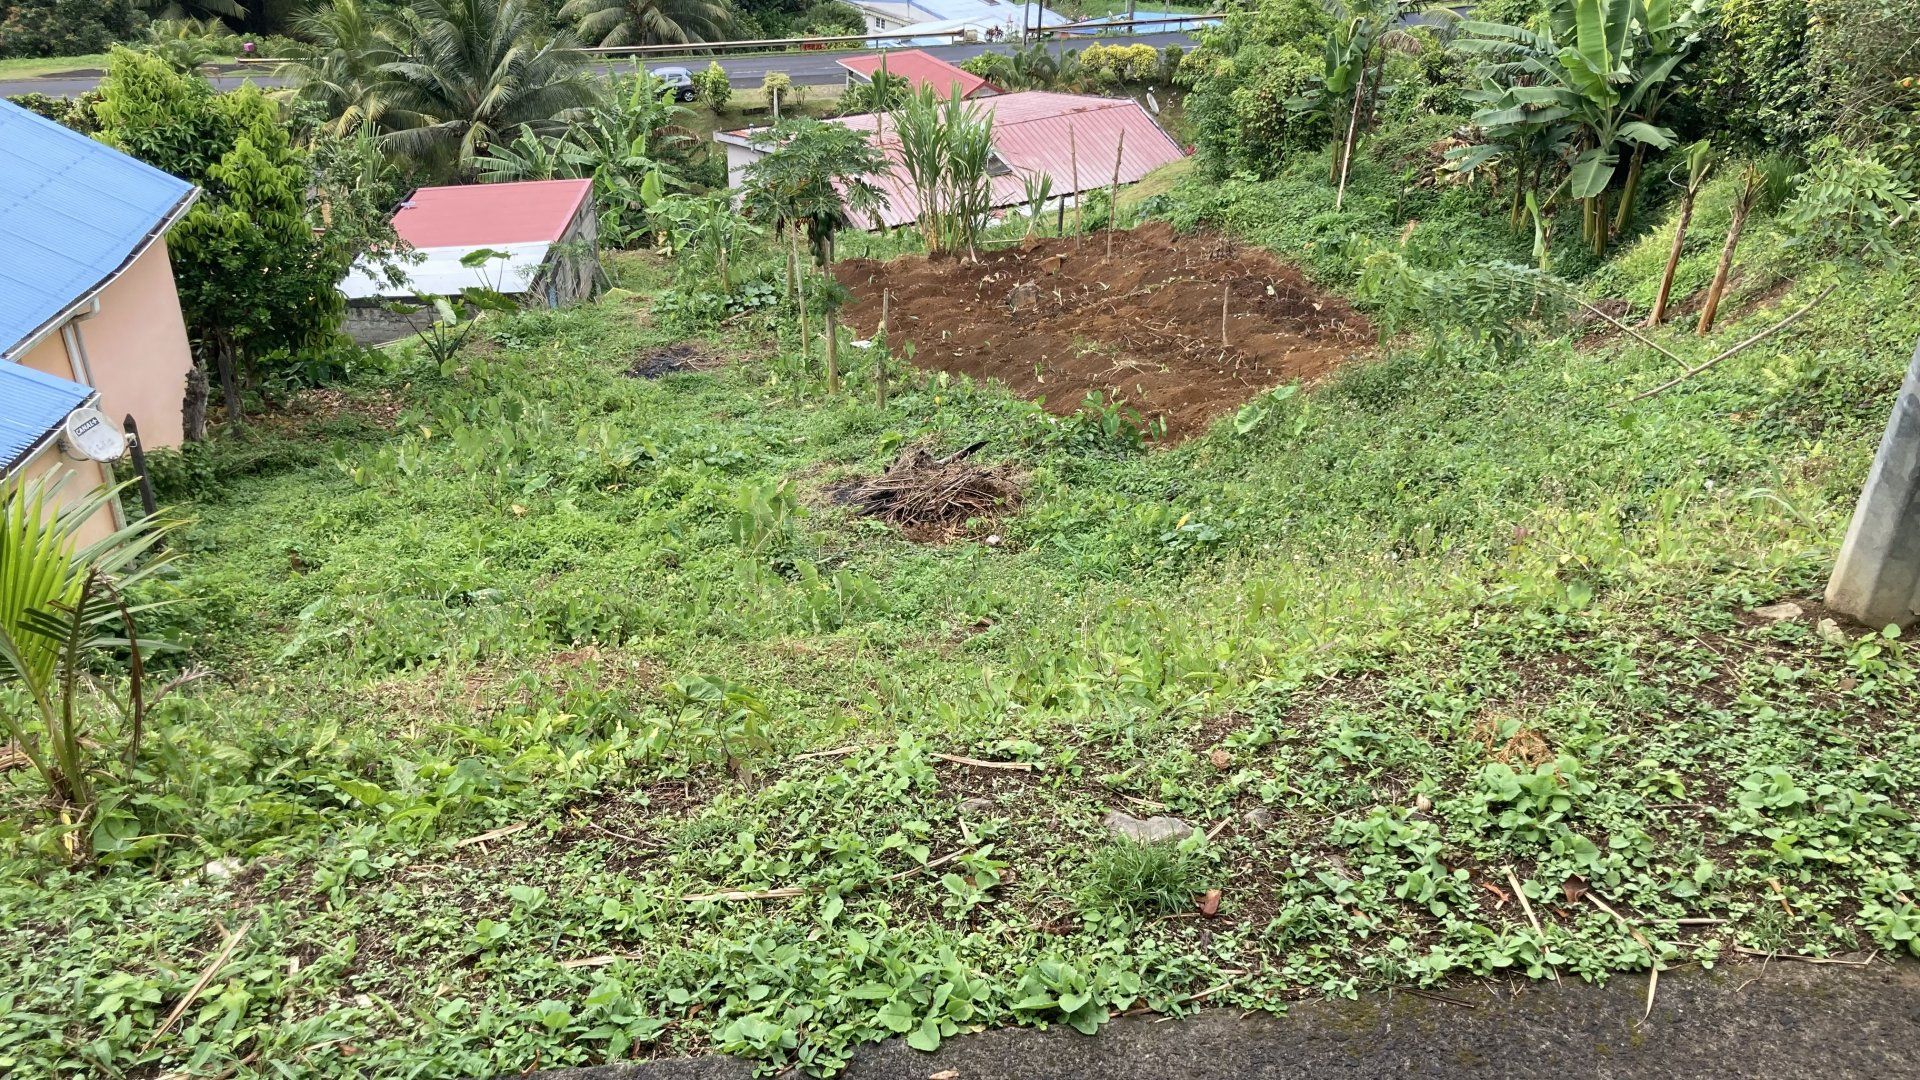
(531, 711)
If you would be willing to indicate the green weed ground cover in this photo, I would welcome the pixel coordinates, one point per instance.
(516, 661)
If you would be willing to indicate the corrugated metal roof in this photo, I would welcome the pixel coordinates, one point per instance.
(491, 215)
(1038, 131)
(919, 69)
(441, 274)
(33, 405)
(73, 212)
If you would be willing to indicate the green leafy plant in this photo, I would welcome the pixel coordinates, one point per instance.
(63, 606)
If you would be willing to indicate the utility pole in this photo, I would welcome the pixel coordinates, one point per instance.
(1877, 578)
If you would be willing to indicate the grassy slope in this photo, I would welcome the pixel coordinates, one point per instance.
(552, 595)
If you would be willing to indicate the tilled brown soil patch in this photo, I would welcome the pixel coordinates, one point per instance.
(1056, 319)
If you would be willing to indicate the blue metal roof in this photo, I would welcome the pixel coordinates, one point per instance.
(33, 404)
(72, 212)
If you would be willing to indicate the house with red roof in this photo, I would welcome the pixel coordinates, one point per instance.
(546, 234)
(1072, 138)
(920, 69)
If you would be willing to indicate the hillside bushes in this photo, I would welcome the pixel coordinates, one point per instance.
(63, 27)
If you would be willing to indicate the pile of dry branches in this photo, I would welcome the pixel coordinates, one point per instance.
(923, 493)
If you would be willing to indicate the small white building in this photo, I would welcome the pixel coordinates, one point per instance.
(547, 232)
(943, 20)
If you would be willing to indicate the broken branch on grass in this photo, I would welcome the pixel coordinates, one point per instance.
(1871, 957)
(1739, 347)
(838, 751)
(980, 763)
(597, 961)
(1653, 958)
(1514, 880)
(200, 984)
(491, 834)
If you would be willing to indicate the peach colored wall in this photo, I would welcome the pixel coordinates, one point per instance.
(136, 348)
(87, 476)
(137, 351)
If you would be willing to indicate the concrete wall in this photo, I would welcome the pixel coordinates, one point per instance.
(135, 349)
(86, 477)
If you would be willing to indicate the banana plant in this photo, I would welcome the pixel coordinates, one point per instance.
(1603, 66)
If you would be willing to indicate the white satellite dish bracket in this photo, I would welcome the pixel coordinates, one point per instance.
(89, 436)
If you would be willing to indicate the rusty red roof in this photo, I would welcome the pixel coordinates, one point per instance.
(1038, 131)
(531, 211)
(919, 69)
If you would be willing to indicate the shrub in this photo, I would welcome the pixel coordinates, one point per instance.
(1241, 77)
(713, 86)
(63, 27)
(1120, 64)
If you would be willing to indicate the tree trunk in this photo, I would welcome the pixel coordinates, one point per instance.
(1673, 261)
(1632, 189)
(228, 369)
(1353, 128)
(1711, 309)
(193, 408)
(793, 273)
(1597, 222)
(880, 350)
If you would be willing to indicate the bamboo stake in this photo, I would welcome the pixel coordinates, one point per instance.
(1225, 291)
(800, 299)
(1113, 193)
(880, 354)
(1079, 203)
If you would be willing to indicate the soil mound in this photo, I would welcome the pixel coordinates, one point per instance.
(1056, 319)
(934, 498)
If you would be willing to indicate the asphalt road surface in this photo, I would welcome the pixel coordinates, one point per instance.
(1778, 1019)
(805, 68)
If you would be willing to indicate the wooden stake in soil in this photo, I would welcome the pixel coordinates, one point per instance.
(1113, 193)
(880, 352)
(1225, 291)
(800, 299)
(833, 336)
(1079, 203)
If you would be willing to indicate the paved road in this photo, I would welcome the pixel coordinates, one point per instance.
(1744, 1020)
(807, 69)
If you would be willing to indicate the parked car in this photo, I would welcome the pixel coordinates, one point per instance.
(678, 79)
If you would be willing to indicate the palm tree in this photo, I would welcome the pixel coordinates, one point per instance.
(649, 22)
(342, 71)
(477, 70)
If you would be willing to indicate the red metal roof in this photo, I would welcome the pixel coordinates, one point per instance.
(919, 69)
(1037, 131)
(531, 211)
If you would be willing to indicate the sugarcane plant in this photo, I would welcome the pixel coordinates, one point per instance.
(946, 153)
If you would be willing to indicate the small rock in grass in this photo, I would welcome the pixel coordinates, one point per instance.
(1149, 831)
(1831, 633)
(1780, 612)
(220, 869)
(1220, 758)
(1422, 803)
(976, 806)
(1259, 818)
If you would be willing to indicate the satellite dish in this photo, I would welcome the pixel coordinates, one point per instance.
(1153, 104)
(90, 436)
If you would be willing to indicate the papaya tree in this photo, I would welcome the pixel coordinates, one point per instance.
(811, 181)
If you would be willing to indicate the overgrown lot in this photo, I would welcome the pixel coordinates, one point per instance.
(558, 716)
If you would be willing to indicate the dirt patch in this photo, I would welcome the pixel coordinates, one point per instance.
(1057, 319)
(671, 360)
(934, 498)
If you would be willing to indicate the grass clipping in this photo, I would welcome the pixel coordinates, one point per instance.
(930, 498)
